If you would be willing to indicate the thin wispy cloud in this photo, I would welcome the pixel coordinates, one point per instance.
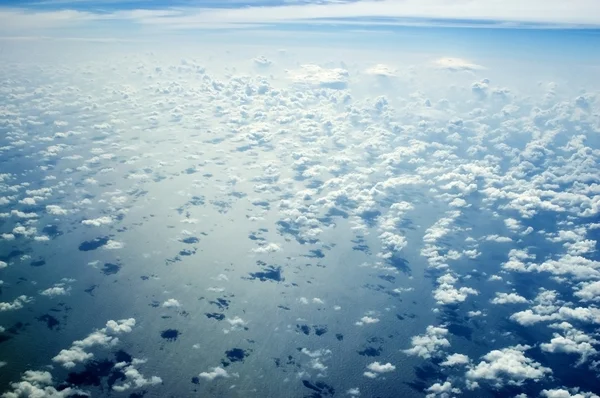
(202, 14)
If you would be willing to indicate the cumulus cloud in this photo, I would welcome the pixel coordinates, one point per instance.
(16, 304)
(509, 298)
(56, 210)
(214, 373)
(68, 358)
(455, 359)
(336, 78)
(429, 344)
(97, 222)
(446, 293)
(507, 366)
(171, 303)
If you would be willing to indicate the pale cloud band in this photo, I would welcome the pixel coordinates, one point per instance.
(506, 13)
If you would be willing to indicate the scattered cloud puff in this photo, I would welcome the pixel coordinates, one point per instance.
(508, 366)
(442, 390)
(509, 298)
(113, 245)
(171, 303)
(36, 384)
(68, 358)
(366, 320)
(446, 293)
(98, 222)
(214, 373)
(56, 210)
(315, 75)
(57, 290)
(267, 248)
(429, 344)
(16, 304)
(133, 377)
(571, 341)
(455, 359)
(376, 368)
(567, 393)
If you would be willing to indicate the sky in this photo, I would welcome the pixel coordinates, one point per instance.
(300, 199)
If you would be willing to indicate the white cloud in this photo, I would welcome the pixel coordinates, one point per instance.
(16, 304)
(336, 78)
(446, 293)
(366, 320)
(508, 366)
(455, 359)
(508, 298)
(55, 291)
(97, 222)
(113, 245)
(171, 303)
(565, 393)
(56, 210)
(429, 344)
(267, 248)
(214, 373)
(68, 358)
(381, 368)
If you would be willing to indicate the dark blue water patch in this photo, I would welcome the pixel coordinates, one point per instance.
(286, 228)
(339, 337)
(190, 240)
(320, 389)
(303, 329)
(4, 337)
(235, 355)
(270, 273)
(191, 170)
(170, 334)
(222, 206)
(222, 303)
(359, 245)
(371, 351)
(401, 264)
(51, 231)
(12, 254)
(187, 252)
(315, 253)
(139, 394)
(50, 321)
(314, 184)
(110, 268)
(17, 328)
(253, 236)
(283, 307)
(94, 244)
(38, 263)
(195, 380)
(320, 330)
(90, 290)
(238, 195)
(387, 278)
(154, 304)
(172, 260)
(460, 330)
(215, 315)
(123, 356)
(99, 373)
